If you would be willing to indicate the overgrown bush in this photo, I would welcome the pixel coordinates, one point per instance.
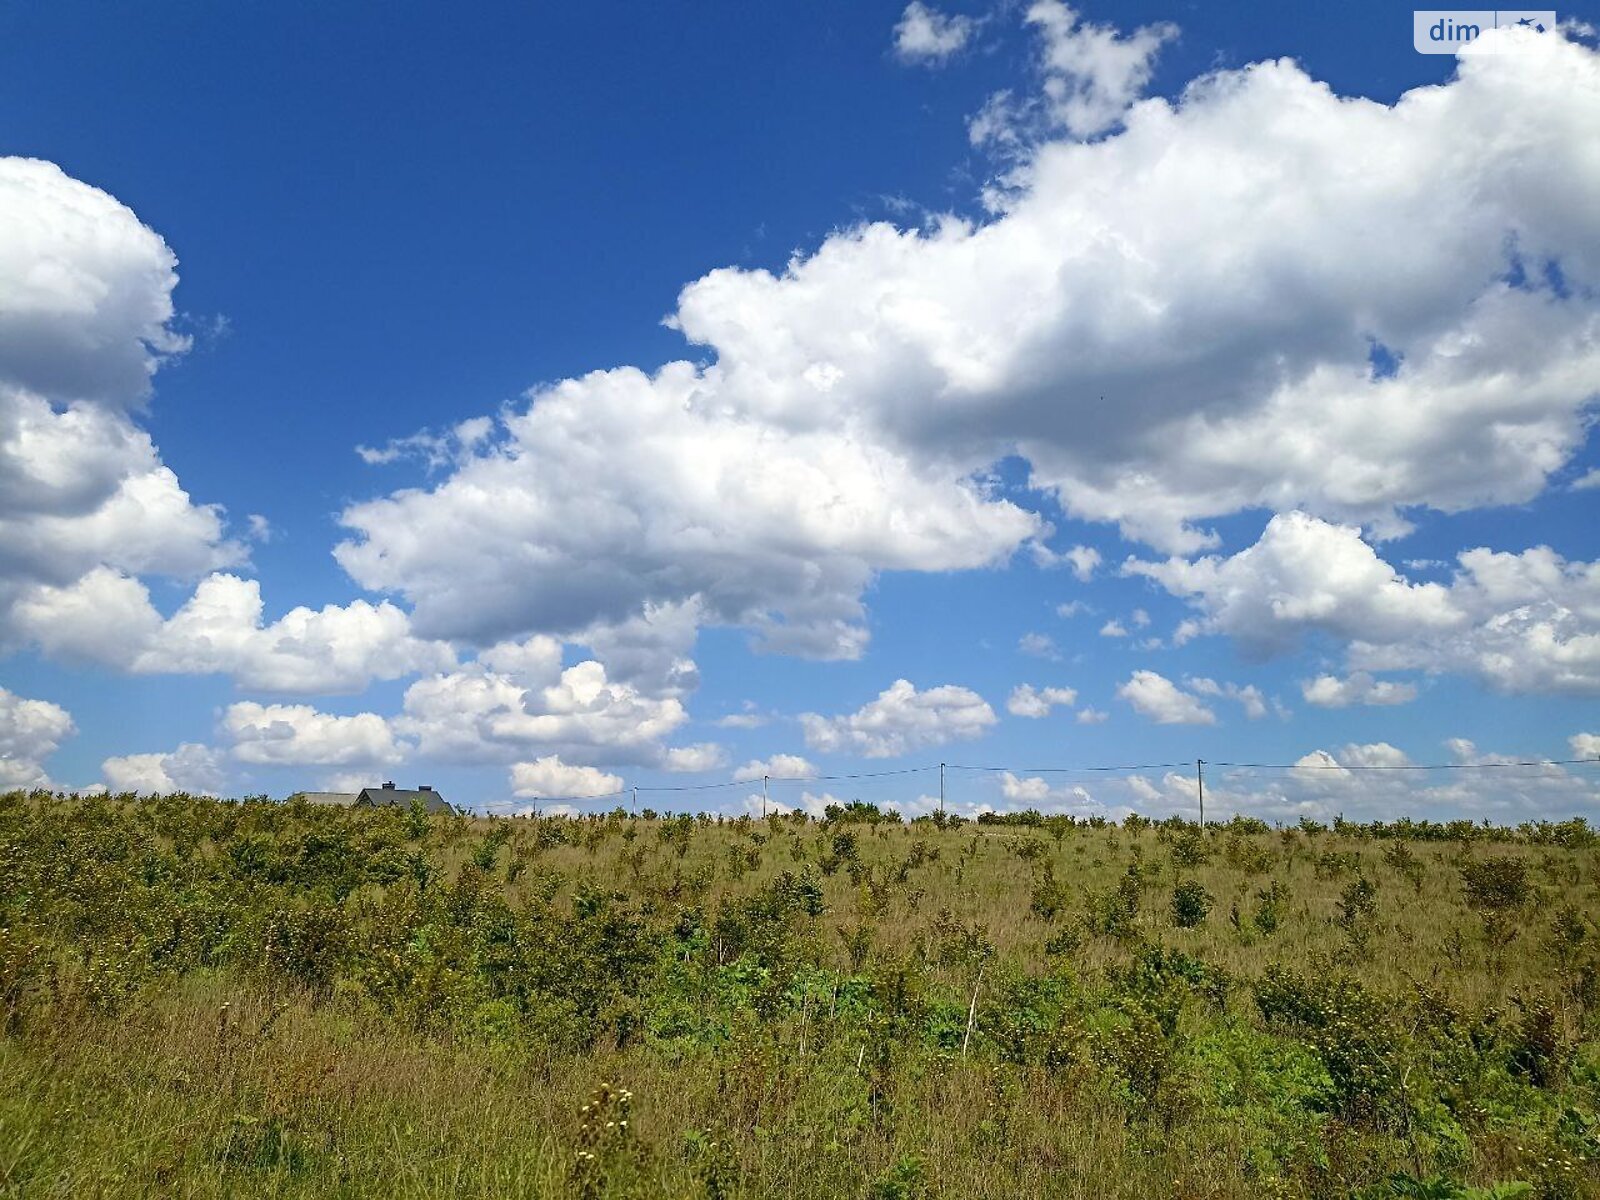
(1114, 911)
(235, 998)
(1191, 904)
(1496, 884)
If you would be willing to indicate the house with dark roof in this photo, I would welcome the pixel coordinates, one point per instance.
(387, 796)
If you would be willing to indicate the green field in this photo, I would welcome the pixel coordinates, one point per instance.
(225, 999)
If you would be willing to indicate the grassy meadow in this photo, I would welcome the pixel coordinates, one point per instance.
(205, 998)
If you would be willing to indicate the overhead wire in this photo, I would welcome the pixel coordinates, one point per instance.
(667, 789)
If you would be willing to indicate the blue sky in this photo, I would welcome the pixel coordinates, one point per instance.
(984, 315)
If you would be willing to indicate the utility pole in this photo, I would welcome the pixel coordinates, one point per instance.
(1200, 783)
(763, 797)
(636, 800)
(941, 789)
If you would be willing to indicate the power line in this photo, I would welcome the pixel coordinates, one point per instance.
(1456, 766)
(858, 775)
(733, 783)
(665, 789)
(1073, 770)
(695, 787)
(532, 800)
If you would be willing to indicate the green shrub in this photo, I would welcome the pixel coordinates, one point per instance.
(306, 944)
(1270, 906)
(1335, 864)
(1114, 911)
(1495, 885)
(1189, 848)
(1347, 1027)
(1137, 1051)
(1358, 903)
(1244, 853)
(1405, 1187)
(1048, 897)
(1537, 1050)
(1401, 859)
(1191, 904)
(906, 1179)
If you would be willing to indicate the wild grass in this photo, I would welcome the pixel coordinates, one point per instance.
(203, 998)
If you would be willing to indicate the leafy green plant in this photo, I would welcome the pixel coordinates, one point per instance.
(713, 1163)
(1347, 1027)
(1246, 853)
(857, 943)
(383, 986)
(1191, 904)
(1358, 904)
(1049, 897)
(1114, 911)
(1063, 941)
(1569, 934)
(1496, 884)
(605, 1140)
(1189, 848)
(1401, 859)
(906, 1179)
(1537, 1049)
(1405, 1187)
(1137, 1051)
(487, 852)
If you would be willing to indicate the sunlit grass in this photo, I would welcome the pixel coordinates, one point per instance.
(216, 1000)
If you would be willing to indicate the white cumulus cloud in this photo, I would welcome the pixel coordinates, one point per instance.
(1028, 701)
(1036, 792)
(549, 776)
(297, 734)
(929, 37)
(88, 297)
(1143, 319)
(702, 756)
(1155, 696)
(85, 321)
(1526, 622)
(107, 617)
(1248, 695)
(1093, 73)
(1359, 687)
(191, 768)
(1039, 645)
(517, 701)
(1085, 561)
(30, 732)
(779, 766)
(620, 490)
(900, 720)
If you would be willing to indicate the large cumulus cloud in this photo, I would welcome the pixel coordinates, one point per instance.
(30, 732)
(85, 313)
(1174, 323)
(87, 507)
(1518, 622)
(619, 493)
